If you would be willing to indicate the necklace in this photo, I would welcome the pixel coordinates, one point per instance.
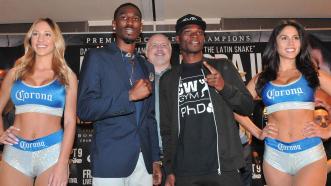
(132, 64)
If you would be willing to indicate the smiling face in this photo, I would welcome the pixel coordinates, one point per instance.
(191, 39)
(288, 43)
(158, 50)
(321, 117)
(127, 24)
(42, 39)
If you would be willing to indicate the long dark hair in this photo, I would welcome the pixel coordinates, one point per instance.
(270, 58)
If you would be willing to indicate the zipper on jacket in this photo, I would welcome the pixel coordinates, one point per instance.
(178, 115)
(218, 154)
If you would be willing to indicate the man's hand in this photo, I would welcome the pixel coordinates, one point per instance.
(214, 79)
(170, 181)
(140, 90)
(157, 174)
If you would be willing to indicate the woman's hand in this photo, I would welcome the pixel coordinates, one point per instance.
(313, 129)
(270, 131)
(59, 175)
(8, 137)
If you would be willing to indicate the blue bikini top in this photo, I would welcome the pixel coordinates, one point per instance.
(295, 95)
(47, 99)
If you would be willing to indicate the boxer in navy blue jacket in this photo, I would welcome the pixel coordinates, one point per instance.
(116, 93)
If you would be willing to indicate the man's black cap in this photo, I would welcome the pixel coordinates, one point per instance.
(187, 20)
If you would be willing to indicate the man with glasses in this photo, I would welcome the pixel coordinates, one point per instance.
(158, 52)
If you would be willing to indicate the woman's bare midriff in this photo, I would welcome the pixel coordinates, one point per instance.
(290, 123)
(36, 125)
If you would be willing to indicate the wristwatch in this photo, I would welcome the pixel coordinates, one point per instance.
(159, 163)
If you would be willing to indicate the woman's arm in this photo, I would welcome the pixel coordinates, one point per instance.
(270, 130)
(60, 172)
(6, 137)
(69, 119)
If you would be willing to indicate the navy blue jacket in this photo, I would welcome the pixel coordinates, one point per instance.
(103, 98)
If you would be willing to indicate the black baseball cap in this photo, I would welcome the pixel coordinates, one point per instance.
(187, 20)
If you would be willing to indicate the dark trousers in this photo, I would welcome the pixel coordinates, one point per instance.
(227, 178)
(246, 172)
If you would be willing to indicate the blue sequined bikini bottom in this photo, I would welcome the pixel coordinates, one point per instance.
(34, 157)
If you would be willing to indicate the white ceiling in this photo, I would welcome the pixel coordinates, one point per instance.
(25, 11)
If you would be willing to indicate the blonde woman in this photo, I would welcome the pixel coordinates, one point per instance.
(43, 90)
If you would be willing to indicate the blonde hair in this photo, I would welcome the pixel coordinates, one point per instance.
(24, 65)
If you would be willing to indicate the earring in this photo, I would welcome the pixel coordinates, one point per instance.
(114, 28)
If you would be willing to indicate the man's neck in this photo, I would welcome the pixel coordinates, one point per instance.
(192, 57)
(125, 47)
(161, 68)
